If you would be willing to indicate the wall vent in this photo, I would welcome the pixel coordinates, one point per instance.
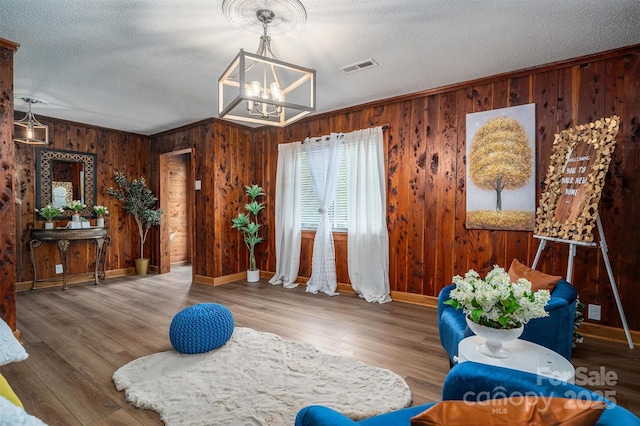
(367, 63)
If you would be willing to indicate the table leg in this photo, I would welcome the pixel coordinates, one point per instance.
(63, 246)
(32, 245)
(99, 242)
(107, 240)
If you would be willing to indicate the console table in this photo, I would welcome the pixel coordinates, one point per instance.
(97, 236)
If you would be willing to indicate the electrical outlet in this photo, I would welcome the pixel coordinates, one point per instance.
(59, 269)
(198, 185)
(594, 312)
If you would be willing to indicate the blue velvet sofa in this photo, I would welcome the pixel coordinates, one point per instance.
(471, 381)
(554, 332)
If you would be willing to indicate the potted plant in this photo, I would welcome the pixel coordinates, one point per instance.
(75, 206)
(49, 212)
(100, 211)
(139, 201)
(250, 228)
(497, 309)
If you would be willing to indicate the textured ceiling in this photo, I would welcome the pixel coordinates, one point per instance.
(146, 66)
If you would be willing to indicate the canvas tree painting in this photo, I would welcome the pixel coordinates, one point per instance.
(501, 169)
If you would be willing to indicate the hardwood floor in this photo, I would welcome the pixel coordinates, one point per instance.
(78, 338)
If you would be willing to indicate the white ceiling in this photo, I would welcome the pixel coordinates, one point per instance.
(145, 66)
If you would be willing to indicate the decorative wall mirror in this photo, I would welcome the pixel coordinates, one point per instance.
(62, 176)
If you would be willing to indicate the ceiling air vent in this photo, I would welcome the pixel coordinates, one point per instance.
(368, 63)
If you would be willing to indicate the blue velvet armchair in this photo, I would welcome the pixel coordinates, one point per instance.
(554, 332)
(470, 381)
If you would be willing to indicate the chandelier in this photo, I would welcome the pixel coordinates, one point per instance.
(261, 89)
(29, 130)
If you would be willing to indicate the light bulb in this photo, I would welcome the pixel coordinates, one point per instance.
(275, 91)
(249, 92)
(30, 130)
(255, 86)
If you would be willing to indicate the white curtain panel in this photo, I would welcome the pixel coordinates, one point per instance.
(288, 214)
(324, 158)
(368, 238)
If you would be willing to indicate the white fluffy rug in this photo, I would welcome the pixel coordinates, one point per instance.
(257, 379)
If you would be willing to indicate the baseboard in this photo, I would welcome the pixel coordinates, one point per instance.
(121, 272)
(71, 279)
(201, 279)
(55, 282)
(605, 332)
(226, 279)
(398, 296)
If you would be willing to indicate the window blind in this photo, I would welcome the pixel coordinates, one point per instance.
(338, 210)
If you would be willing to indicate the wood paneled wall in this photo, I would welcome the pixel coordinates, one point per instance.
(7, 187)
(115, 150)
(224, 163)
(425, 161)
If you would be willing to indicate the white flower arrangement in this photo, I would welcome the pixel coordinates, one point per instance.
(495, 301)
(75, 205)
(49, 211)
(100, 210)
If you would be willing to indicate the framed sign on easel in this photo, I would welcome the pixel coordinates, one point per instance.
(568, 209)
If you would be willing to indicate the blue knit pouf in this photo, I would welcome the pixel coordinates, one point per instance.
(201, 328)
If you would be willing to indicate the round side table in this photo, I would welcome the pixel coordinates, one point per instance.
(525, 356)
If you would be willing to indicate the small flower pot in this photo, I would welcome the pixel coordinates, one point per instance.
(100, 222)
(48, 225)
(75, 217)
(253, 276)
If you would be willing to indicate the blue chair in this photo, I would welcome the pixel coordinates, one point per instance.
(471, 381)
(554, 332)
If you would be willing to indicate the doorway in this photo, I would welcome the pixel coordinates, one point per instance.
(177, 231)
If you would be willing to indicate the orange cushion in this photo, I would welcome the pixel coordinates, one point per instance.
(539, 280)
(527, 410)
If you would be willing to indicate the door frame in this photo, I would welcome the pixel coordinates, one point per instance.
(165, 250)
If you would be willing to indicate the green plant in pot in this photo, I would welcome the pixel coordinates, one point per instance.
(247, 223)
(49, 212)
(139, 201)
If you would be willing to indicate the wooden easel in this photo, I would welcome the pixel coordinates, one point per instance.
(572, 252)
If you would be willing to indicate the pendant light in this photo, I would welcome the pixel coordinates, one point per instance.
(29, 130)
(259, 88)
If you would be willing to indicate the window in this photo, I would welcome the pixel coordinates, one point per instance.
(338, 211)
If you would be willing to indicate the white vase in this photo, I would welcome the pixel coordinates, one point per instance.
(75, 217)
(494, 337)
(48, 225)
(253, 276)
(100, 222)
